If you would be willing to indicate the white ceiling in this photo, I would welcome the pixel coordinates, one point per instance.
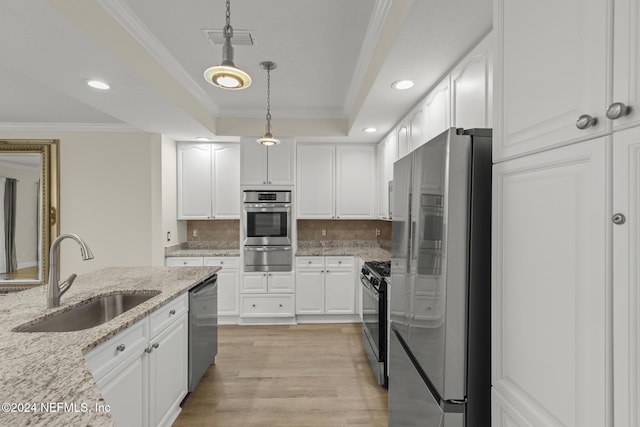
(336, 61)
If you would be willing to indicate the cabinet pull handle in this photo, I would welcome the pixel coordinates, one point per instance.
(149, 349)
(586, 121)
(121, 347)
(618, 219)
(617, 110)
(172, 312)
(156, 345)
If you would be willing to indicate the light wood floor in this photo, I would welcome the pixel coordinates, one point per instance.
(29, 273)
(277, 376)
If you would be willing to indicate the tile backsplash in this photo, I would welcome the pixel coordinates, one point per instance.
(220, 230)
(344, 229)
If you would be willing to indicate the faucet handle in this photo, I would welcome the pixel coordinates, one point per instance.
(64, 286)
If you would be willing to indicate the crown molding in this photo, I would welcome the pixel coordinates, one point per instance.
(123, 14)
(68, 127)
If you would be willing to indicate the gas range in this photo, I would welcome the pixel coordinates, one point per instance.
(374, 277)
(377, 273)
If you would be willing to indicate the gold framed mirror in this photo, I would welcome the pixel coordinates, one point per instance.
(29, 201)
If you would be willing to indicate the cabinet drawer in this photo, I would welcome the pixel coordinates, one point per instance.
(224, 262)
(184, 261)
(169, 313)
(267, 305)
(339, 262)
(117, 349)
(314, 262)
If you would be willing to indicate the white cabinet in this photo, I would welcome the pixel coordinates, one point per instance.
(142, 371)
(325, 285)
(315, 181)
(549, 75)
(626, 60)
(472, 88)
(387, 154)
(626, 277)
(551, 325)
(336, 182)
(437, 106)
(263, 165)
(228, 284)
(228, 280)
(208, 181)
(267, 294)
(417, 133)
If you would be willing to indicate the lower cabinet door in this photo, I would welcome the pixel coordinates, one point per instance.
(339, 291)
(228, 280)
(124, 391)
(309, 292)
(168, 370)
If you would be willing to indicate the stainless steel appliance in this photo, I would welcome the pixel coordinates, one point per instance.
(267, 230)
(440, 341)
(374, 276)
(203, 328)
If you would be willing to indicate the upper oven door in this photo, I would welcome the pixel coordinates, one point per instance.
(267, 224)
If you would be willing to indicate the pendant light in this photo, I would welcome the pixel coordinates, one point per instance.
(268, 139)
(227, 75)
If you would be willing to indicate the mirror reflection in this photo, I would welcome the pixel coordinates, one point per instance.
(20, 235)
(28, 211)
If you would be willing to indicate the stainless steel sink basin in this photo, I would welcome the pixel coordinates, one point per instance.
(90, 313)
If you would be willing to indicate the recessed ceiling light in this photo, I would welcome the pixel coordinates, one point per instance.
(370, 130)
(402, 84)
(203, 138)
(97, 84)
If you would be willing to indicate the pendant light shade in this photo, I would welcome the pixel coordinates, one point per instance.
(268, 139)
(227, 75)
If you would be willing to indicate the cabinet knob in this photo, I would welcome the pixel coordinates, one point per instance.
(149, 349)
(253, 305)
(156, 345)
(172, 312)
(585, 121)
(221, 262)
(617, 110)
(121, 347)
(264, 274)
(618, 219)
(264, 182)
(308, 262)
(184, 262)
(279, 305)
(339, 262)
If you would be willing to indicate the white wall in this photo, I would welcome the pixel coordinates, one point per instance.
(110, 195)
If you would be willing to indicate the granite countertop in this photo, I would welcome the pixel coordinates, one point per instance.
(204, 252)
(367, 252)
(49, 367)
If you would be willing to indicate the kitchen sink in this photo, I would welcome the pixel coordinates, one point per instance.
(89, 313)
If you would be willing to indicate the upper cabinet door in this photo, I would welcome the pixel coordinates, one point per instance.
(355, 182)
(626, 61)
(226, 180)
(472, 87)
(551, 69)
(253, 161)
(316, 171)
(436, 110)
(194, 181)
(281, 163)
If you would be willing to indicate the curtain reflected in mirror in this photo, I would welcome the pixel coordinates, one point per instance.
(19, 216)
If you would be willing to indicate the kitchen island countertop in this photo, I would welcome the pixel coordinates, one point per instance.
(45, 379)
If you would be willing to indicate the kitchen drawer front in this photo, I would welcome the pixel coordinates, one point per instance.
(118, 348)
(268, 305)
(169, 313)
(184, 261)
(310, 262)
(224, 262)
(333, 262)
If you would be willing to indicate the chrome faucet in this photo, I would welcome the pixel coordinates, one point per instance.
(55, 290)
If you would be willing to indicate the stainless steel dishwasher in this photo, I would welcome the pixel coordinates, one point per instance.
(203, 328)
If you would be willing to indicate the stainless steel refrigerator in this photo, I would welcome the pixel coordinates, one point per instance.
(440, 308)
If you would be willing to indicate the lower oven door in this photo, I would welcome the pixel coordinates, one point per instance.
(267, 258)
(371, 314)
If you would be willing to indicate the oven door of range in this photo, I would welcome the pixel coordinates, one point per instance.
(267, 224)
(371, 315)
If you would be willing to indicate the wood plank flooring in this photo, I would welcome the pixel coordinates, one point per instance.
(303, 375)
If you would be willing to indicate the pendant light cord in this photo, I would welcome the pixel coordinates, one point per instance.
(268, 101)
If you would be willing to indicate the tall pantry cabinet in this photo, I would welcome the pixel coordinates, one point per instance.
(566, 202)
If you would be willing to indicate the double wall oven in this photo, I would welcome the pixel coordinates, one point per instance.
(267, 230)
